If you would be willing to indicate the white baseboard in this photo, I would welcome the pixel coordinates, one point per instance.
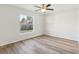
(63, 37)
(19, 40)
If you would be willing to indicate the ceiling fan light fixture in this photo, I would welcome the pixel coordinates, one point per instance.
(43, 10)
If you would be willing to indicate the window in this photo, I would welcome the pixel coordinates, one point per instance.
(26, 23)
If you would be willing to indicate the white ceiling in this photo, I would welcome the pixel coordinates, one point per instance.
(56, 7)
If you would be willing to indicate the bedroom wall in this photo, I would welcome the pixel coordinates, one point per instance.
(9, 24)
(78, 24)
(63, 24)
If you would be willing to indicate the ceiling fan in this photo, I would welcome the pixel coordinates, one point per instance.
(44, 8)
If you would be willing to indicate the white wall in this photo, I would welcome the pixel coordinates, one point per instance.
(63, 24)
(9, 24)
(78, 24)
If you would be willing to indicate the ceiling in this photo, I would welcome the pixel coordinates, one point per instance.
(56, 7)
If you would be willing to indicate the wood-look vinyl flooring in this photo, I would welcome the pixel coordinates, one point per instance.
(42, 45)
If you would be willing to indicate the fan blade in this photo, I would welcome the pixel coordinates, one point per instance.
(38, 7)
(38, 10)
(48, 5)
(50, 9)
